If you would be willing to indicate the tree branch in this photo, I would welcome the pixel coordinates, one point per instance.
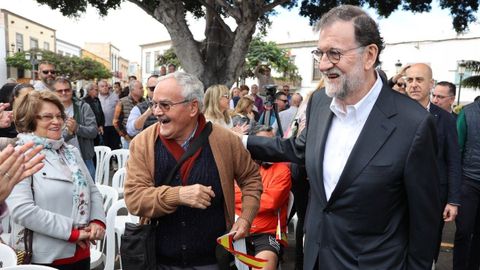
(272, 5)
(232, 11)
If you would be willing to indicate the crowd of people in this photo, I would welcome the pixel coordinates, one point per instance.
(376, 165)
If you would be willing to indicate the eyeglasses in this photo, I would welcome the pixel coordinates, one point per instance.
(284, 100)
(63, 91)
(151, 88)
(226, 96)
(440, 96)
(50, 117)
(49, 71)
(333, 55)
(165, 106)
(401, 85)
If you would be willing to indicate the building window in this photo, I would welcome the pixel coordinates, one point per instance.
(60, 52)
(155, 61)
(46, 46)
(147, 62)
(317, 74)
(19, 41)
(33, 43)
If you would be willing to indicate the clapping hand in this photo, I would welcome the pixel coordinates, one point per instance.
(16, 165)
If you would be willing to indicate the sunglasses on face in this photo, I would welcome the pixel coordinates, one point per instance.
(151, 88)
(53, 72)
(401, 85)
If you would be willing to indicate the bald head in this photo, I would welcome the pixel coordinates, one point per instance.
(296, 100)
(419, 82)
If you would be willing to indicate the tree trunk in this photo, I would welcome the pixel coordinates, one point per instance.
(219, 59)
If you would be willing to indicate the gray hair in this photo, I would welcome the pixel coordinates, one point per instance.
(192, 87)
(89, 86)
(131, 84)
(366, 29)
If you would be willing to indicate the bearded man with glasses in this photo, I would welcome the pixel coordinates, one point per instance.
(369, 153)
(46, 74)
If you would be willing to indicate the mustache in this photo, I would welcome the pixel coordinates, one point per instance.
(333, 70)
(163, 119)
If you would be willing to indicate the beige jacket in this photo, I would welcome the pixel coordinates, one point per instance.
(233, 162)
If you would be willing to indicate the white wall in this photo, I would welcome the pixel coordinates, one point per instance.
(67, 49)
(3, 52)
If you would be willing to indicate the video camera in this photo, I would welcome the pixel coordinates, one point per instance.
(270, 91)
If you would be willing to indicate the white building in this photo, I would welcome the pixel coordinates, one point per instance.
(68, 49)
(441, 54)
(150, 53)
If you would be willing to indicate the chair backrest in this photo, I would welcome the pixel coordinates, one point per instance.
(100, 153)
(7, 256)
(110, 254)
(121, 155)
(119, 179)
(109, 195)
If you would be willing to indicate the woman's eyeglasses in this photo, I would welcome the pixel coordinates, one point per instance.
(50, 117)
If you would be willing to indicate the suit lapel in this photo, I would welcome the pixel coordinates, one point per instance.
(317, 134)
(375, 132)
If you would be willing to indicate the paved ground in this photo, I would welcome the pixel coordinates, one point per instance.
(444, 260)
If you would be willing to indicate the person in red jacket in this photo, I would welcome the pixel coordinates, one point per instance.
(264, 241)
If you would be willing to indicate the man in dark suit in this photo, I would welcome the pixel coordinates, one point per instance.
(443, 95)
(370, 156)
(419, 83)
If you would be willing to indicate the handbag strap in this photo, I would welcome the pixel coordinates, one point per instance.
(200, 141)
(194, 146)
(27, 233)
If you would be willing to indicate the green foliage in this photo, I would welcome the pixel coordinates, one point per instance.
(75, 68)
(472, 81)
(261, 52)
(168, 57)
(462, 11)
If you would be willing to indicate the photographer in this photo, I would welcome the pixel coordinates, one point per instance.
(263, 74)
(281, 101)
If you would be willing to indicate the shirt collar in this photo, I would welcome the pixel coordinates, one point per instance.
(362, 108)
(187, 141)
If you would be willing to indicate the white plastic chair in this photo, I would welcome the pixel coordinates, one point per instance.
(121, 156)
(29, 267)
(7, 256)
(241, 246)
(111, 253)
(100, 153)
(109, 195)
(118, 181)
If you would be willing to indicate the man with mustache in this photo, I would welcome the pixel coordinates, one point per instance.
(46, 74)
(198, 204)
(369, 153)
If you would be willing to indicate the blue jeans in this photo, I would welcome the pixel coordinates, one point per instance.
(125, 143)
(91, 168)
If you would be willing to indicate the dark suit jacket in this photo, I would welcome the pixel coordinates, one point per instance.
(383, 213)
(448, 155)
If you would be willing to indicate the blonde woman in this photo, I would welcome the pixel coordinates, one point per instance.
(243, 113)
(217, 105)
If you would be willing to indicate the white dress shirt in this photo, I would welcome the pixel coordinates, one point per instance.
(347, 123)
